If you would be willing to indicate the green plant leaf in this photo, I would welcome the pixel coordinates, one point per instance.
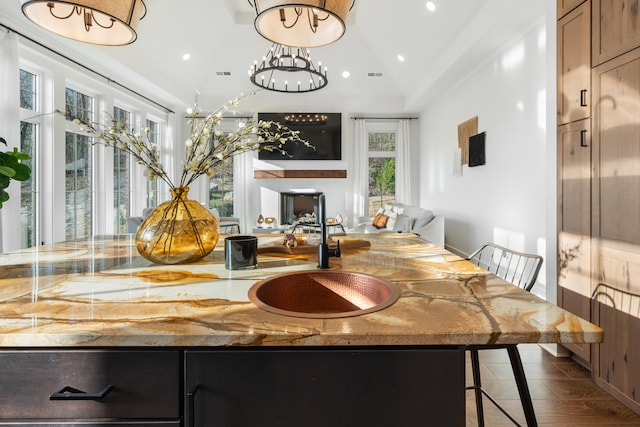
(23, 172)
(19, 155)
(7, 171)
(11, 168)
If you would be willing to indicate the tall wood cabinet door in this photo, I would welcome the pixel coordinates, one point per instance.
(565, 6)
(574, 223)
(616, 221)
(616, 145)
(574, 65)
(616, 28)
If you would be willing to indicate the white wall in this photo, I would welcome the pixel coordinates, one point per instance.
(508, 200)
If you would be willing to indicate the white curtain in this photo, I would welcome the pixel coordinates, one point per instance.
(242, 196)
(360, 170)
(10, 131)
(403, 163)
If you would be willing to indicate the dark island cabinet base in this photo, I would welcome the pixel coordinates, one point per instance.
(325, 387)
(90, 387)
(93, 423)
(228, 387)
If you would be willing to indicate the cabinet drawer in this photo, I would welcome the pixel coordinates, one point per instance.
(145, 384)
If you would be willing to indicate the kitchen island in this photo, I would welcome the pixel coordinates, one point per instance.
(191, 349)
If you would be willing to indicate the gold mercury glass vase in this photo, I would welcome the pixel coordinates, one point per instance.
(178, 231)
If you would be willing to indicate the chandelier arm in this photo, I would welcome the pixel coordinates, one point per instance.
(74, 9)
(283, 19)
(312, 18)
(324, 7)
(93, 17)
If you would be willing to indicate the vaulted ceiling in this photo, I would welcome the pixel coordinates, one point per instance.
(439, 47)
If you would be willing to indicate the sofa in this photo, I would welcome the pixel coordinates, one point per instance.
(227, 224)
(401, 218)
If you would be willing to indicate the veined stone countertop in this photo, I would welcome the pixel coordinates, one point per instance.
(102, 293)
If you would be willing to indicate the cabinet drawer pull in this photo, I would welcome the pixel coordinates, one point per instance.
(583, 98)
(583, 138)
(70, 393)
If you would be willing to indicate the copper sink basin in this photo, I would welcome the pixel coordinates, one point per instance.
(323, 294)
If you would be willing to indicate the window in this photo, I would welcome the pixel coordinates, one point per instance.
(152, 184)
(221, 188)
(28, 144)
(78, 105)
(121, 177)
(28, 194)
(382, 169)
(28, 91)
(78, 170)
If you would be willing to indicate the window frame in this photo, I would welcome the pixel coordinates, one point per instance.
(390, 127)
(119, 218)
(71, 127)
(29, 238)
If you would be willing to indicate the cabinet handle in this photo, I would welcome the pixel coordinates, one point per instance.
(191, 403)
(583, 138)
(583, 98)
(70, 393)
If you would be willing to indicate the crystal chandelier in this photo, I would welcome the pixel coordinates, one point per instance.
(288, 69)
(110, 23)
(302, 23)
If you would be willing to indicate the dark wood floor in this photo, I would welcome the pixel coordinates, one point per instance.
(562, 392)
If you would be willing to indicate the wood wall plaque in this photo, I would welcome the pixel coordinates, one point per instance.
(466, 130)
(297, 173)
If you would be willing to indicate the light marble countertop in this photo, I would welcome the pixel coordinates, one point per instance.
(102, 293)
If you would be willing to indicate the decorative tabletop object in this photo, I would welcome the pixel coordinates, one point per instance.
(180, 230)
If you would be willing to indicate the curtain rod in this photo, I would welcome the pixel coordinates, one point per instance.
(224, 117)
(383, 118)
(108, 79)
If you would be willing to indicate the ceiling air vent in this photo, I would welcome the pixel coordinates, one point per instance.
(374, 74)
(223, 73)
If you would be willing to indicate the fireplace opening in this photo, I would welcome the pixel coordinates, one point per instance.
(298, 207)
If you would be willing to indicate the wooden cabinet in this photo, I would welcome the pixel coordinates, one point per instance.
(90, 387)
(565, 6)
(616, 28)
(574, 65)
(325, 387)
(616, 223)
(599, 186)
(574, 223)
(617, 149)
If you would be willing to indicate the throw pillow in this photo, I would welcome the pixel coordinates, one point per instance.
(380, 221)
(403, 224)
(391, 220)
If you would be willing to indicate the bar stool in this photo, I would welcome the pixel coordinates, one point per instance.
(520, 269)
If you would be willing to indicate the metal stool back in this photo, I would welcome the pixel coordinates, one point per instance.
(519, 268)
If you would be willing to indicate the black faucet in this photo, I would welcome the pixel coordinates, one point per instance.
(323, 248)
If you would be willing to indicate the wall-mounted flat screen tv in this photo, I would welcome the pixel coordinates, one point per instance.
(322, 130)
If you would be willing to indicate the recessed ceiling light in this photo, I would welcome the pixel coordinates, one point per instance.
(186, 57)
(431, 6)
(346, 74)
(400, 58)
